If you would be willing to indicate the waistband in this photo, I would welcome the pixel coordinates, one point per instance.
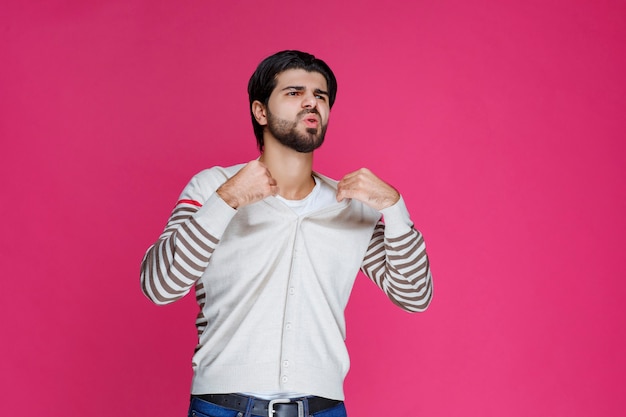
(289, 407)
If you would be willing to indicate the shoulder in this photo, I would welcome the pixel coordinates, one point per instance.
(205, 182)
(217, 174)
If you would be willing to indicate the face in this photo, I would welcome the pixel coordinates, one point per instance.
(297, 111)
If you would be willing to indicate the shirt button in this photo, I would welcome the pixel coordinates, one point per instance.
(288, 326)
(284, 379)
(285, 364)
(292, 290)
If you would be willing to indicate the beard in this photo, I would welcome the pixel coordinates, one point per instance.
(288, 134)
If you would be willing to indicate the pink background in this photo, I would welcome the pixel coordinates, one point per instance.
(501, 122)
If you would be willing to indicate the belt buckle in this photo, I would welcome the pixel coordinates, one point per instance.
(271, 411)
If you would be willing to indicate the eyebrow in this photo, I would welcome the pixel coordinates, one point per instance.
(301, 88)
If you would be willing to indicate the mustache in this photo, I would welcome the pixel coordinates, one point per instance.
(307, 111)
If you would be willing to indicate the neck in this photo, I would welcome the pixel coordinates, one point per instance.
(292, 170)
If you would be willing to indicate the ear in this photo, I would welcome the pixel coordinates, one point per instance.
(260, 112)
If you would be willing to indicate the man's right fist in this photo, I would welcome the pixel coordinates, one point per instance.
(252, 183)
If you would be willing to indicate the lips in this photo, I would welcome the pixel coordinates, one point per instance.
(311, 120)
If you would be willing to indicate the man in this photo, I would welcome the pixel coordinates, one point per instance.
(272, 250)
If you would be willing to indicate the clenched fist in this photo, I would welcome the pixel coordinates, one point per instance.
(366, 187)
(252, 183)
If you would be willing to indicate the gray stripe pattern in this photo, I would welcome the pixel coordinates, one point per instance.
(175, 262)
(399, 266)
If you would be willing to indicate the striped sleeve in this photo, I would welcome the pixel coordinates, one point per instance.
(178, 259)
(398, 263)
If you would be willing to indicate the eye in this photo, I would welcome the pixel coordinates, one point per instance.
(320, 97)
(293, 93)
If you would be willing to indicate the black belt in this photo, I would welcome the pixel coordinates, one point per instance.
(293, 407)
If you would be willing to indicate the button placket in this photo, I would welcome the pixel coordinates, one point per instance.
(290, 321)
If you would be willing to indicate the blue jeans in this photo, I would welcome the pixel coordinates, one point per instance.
(200, 408)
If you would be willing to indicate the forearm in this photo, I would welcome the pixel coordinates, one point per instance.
(178, 259)
(397, 262)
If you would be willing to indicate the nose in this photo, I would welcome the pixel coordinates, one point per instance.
(309, 101)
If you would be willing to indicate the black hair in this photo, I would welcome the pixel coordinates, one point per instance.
(263, 81)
